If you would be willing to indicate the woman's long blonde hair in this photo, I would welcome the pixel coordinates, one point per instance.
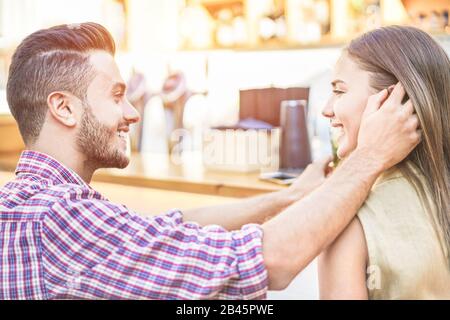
(411, 56)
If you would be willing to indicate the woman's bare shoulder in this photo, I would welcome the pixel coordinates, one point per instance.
(342, 266)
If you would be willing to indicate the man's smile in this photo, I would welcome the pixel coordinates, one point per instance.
(123, 133)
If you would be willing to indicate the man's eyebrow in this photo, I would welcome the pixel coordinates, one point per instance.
(335, 82)
(119, 86)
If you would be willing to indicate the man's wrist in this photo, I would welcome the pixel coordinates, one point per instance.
(288, 196)
(369, 161)
(279, 200)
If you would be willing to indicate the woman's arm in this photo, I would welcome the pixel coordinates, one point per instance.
(342, 266)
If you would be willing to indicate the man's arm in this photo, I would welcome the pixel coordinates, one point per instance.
(234, 215)
(261, 208)
(297, 235)
(110, 252)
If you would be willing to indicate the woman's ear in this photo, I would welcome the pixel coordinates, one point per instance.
(61, 107)
(405, 98)
(391, 88)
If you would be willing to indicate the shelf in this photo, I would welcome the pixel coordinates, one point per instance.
(326, 42)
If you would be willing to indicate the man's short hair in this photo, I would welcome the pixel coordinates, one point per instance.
(54, 59)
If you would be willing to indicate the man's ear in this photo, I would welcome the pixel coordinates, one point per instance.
(62, 106)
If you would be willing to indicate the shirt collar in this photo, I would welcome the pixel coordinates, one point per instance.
(43, 165)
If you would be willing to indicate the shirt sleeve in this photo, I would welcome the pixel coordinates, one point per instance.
(95, 249)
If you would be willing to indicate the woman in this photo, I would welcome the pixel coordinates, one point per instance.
(398, 246)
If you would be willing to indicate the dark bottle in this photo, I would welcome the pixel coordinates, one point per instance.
(295, 150)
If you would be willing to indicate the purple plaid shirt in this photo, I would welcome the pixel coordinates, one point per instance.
(60, 239)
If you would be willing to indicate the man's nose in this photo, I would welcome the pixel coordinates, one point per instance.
(130, 114)
(327, 111)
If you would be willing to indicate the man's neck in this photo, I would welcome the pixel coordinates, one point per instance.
(69, 157)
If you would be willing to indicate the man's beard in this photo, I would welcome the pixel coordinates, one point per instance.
(95, 141)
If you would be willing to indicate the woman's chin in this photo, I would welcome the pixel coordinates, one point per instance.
(343, 152)
(340, 155)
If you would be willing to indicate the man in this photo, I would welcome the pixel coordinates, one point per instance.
(61, 239)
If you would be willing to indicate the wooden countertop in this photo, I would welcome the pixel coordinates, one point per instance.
(157, 171)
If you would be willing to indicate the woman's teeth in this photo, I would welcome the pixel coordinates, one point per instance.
(337, 131)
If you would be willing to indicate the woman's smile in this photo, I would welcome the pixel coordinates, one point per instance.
(337, 131)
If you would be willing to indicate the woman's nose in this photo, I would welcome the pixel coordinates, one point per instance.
(327, 111)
